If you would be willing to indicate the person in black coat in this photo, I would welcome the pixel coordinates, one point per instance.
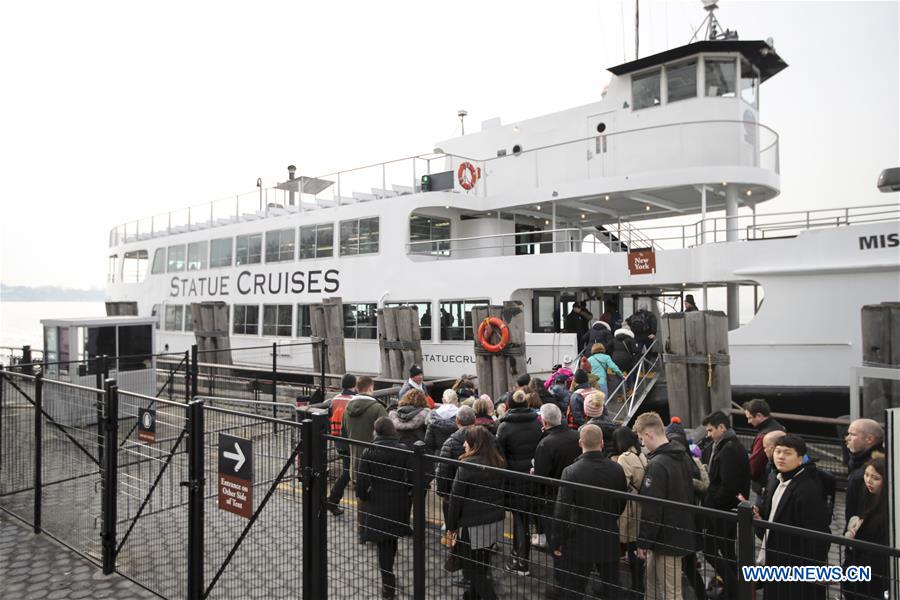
(599, 333)
(797, 500)
(666, 533)
(384, 491)
(517, 439)
(586, 521)
(577, 321)
(864, 436)
(729, 477)
(475, 513)
(557, 450)
(872, 527)
(453, 448)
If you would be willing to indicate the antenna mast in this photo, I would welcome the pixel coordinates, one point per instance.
(713, 28)
(637, 27)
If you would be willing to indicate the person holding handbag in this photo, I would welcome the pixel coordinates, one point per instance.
(475, 513)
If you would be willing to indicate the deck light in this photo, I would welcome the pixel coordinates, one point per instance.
(724, 183)
(647, 207)
(426, 183)
(538, 207)
(583, 217)
(749, 192)
(606, 198)
(546, 222)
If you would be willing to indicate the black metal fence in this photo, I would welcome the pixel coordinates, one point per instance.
(86, 466)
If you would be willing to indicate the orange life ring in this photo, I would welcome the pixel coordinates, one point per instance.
(466, 175)
(486, 329)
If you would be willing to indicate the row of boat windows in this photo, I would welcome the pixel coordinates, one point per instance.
(360, 319)
(357, 236)
(720, 79)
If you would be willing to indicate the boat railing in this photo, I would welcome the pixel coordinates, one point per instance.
(671, 146)
(625, 237)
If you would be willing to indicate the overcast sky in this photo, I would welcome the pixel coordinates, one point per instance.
(113, 111)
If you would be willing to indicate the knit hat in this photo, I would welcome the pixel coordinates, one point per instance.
(675, 428)
(581, 376)
(348, 381)
(593, 404)
(523, 380)
(415, 370)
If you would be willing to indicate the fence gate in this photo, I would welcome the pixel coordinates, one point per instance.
(60, 448)
(151, 505)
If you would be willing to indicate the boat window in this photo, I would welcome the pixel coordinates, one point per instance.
(280, 245)
(176, 259)
(645, 89)
(197, 253)
(111, 269)
(681, 80)
(220, 252)
(135, 347)
(423, 312)
(360, 321)
(749, 82)
(429, 235)
(188, 318)
(134, 267)
(456, 319)
(248, 249)
(720, 77)
(359, 236)
(317, 241)
(304, 325)
(154, 312)
(174, 317)
(159, 261)
(246, 319)
(277, 319)
(97, 341)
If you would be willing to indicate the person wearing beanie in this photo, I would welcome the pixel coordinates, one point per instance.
(675, 428)
(581, 389)
(416, 381)
(523, 380)
(336, 407)
(689, 304)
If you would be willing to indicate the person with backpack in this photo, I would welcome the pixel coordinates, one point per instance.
(581, 389)
(599, 333)
(643, 325)
(622, 351)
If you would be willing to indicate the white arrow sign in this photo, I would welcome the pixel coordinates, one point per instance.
(238, 456)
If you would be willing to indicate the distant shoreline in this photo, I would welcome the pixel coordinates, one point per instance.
(100, 299)
(49, 293)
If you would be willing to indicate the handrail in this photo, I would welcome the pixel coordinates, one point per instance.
(640, 378)
(444, 155)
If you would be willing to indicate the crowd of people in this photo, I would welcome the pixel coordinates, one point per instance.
(589, 507)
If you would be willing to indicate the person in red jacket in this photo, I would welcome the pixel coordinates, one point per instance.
(758, 415)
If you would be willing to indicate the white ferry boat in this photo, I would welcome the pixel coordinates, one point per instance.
(654, 190)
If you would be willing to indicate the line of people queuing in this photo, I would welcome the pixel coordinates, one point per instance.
(532, 431)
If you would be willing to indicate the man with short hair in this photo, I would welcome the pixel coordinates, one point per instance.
(769, 448)
(796, 500)
(586, 531)
(557, 450)
(864, 436)
(729, 480)
(666, 533)
(359, 419)
(336, 407)
(758, 416)
(577, 322)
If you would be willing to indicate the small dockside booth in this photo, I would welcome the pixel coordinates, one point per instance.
(71, 348)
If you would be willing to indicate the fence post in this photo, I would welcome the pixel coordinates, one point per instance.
(193, 388)
(38, 448)
(419, 521)
(745, 547)
(322, 354)
(195, 485)
(100, 382)
(26, 359)
(314, 476)
(274, 386)
(109, 476)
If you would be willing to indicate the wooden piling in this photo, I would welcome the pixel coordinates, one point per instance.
(334, 328)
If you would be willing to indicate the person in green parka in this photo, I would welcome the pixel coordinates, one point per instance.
(600, 362)
(359, 420)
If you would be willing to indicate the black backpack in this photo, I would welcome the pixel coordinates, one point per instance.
(639, 322)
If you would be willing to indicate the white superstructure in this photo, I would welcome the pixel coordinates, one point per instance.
(544, 211)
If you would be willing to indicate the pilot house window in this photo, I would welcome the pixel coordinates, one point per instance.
(749, 82)
(681, 80)
(720, 77)
(645, 90)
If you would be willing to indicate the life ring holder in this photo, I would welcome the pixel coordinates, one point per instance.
(466, 182)
(485, 330)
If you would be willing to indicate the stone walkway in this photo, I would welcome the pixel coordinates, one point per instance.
(37, 567)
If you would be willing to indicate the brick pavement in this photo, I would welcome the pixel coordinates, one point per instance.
(35, 567)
